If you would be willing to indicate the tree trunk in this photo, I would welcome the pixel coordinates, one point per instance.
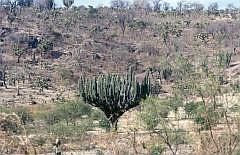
(18, 93)
(114, 125)
(113, 119)
(18, 59)
(34, 58)
(4, 77)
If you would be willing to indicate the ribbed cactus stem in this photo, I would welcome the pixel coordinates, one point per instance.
(114, 94)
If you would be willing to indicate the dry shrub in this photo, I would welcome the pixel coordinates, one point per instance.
(10, 140)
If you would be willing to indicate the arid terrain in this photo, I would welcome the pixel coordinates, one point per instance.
(190, 55)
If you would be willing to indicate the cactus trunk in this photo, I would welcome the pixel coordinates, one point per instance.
(114, 94)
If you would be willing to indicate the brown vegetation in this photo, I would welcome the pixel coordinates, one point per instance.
(192, 56)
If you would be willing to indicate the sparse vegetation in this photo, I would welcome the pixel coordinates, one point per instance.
(65, 80)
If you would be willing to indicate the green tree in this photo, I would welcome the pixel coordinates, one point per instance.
(45, 46)
(42, 83)
(213, 107)
(18, 52)
(154, 114)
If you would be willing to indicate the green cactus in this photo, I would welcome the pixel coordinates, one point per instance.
(167, 72)
(114, 94)
(224, 59)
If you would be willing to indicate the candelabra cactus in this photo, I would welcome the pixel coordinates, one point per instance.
(114, 94)
(224, 59)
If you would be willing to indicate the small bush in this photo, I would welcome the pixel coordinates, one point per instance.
(10, 123)
(66, 74)
(198, 112)
(63, 130)
(153, 110)
(99, 152)
(42, 83)
(191, 108)
(25, 116)
(68, 111)
(5, 110)
(154, 114)
(51, 118)
(157, 150)
(39, 141)
(103, 121)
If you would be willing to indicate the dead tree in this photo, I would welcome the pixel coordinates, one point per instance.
(122, 19)
(4, 76)
(157, 5)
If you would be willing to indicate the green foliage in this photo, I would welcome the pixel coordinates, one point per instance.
(153, 110)
(183, 68)
(62, 130)
(99, 152)
(18, 52)
(207, 86)
(39, 141)
(72, 110)
(154, 114)
(205, 66)
(46, 45)
(5, 110)
(42, 83)
(224, 59)
(24, 115)
(157, 149)
(168, 29)
(10, 123)
(12, 11)
(114, 94)
(137, 25)
(114, 35)
(166, 69)
(69, 112)
(204, 37)
(10, 127)
(51, 118)
(235, 86)
(167, 73)
(101, 118)
(203, 115)
(69, 115)
(196, 111)
(174, 136)
(191, 108)
(66, 75)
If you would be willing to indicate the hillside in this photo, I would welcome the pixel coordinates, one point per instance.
(43, 53)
